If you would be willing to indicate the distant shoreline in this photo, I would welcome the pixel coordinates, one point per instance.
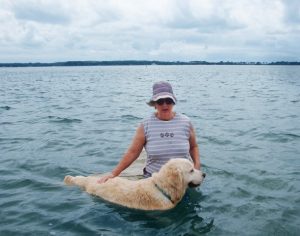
(142, 63)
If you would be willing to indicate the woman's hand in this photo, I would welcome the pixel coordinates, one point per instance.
(104, 178)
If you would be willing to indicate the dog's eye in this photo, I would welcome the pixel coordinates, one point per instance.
(192, 170)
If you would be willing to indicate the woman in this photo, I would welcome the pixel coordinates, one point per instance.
(165, 135)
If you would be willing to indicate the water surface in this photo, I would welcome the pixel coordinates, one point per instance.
(79, 120)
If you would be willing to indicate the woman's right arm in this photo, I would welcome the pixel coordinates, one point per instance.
(130, 156)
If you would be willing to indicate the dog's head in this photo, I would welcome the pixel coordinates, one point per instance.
(176, 175)
(185, 170)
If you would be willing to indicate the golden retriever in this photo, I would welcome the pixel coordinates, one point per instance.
(162, 191)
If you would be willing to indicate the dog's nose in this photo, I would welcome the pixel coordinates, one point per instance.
(203, 175)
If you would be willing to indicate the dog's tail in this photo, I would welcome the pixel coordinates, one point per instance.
(69, 180)
(81, 181)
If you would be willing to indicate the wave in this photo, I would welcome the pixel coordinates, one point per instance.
(130, 117)
(5, 108)
(217, 141)
(15, 140)
(278, 137)
(57, 119)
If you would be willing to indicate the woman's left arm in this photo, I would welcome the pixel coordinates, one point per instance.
(194, 150)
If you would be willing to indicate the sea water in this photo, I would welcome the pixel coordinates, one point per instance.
(56, 121)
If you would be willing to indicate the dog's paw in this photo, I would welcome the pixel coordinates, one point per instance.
(68, 180)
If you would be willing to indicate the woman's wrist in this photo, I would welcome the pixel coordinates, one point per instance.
(197, 165)
(114, 173)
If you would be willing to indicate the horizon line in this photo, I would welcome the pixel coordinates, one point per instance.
(140, 62)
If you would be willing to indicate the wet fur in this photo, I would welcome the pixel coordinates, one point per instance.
(173, 178)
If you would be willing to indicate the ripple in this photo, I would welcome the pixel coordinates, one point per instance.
(218, 141)
(56, 145)
(83, 144)
(241, 193)
(98, 131)
(15, 140)
(130, 117)
(218, 172)
(5, 108)
(7, 123)
(278, 137)
(276, 228)
(56, 119)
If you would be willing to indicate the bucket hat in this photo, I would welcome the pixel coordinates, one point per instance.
(161, 90)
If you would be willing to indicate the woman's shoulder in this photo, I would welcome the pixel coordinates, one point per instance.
(148, 119)
(183, 117)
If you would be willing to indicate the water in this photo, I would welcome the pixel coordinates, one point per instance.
(79, 120)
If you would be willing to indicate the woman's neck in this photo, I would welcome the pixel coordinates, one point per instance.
(165, 116)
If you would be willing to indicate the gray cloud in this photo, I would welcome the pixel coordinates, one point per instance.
(53, 30)
(186, 17)
(291, 11)
(41, 12)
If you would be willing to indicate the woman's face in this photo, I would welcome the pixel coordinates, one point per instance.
(164, 106)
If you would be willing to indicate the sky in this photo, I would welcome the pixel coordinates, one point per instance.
(165, 30)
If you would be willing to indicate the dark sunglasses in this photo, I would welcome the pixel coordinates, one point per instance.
(161, 101)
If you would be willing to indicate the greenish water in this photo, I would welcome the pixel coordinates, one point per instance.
(79, 120)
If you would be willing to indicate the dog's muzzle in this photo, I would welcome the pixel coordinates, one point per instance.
(193, 185)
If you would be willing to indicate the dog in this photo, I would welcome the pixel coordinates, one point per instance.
(163, 191)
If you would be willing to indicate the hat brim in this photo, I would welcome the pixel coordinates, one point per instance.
(157, 97)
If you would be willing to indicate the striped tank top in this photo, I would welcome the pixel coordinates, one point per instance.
(165, 140)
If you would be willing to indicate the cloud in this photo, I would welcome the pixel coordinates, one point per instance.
(205, 16)
(53, 30)
(40, 11)
(292, 11)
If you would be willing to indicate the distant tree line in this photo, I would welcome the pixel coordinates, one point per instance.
(144, 63)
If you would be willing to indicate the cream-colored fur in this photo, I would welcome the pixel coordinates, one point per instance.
(162, 191)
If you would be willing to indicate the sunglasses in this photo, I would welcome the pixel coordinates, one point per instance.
(161, 101)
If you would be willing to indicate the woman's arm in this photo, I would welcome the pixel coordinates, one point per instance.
(130, 156)
(194, 150)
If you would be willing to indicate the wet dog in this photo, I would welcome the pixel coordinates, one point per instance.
(162, 191)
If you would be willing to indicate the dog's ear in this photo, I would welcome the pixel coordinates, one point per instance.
(171, 179)
(176, 176)
(177, 181)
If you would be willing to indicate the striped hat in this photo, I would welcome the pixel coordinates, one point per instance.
(162, 90)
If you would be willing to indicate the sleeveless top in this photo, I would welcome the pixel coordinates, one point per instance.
(165, 140)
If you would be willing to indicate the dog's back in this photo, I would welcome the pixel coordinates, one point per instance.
(139, 194)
